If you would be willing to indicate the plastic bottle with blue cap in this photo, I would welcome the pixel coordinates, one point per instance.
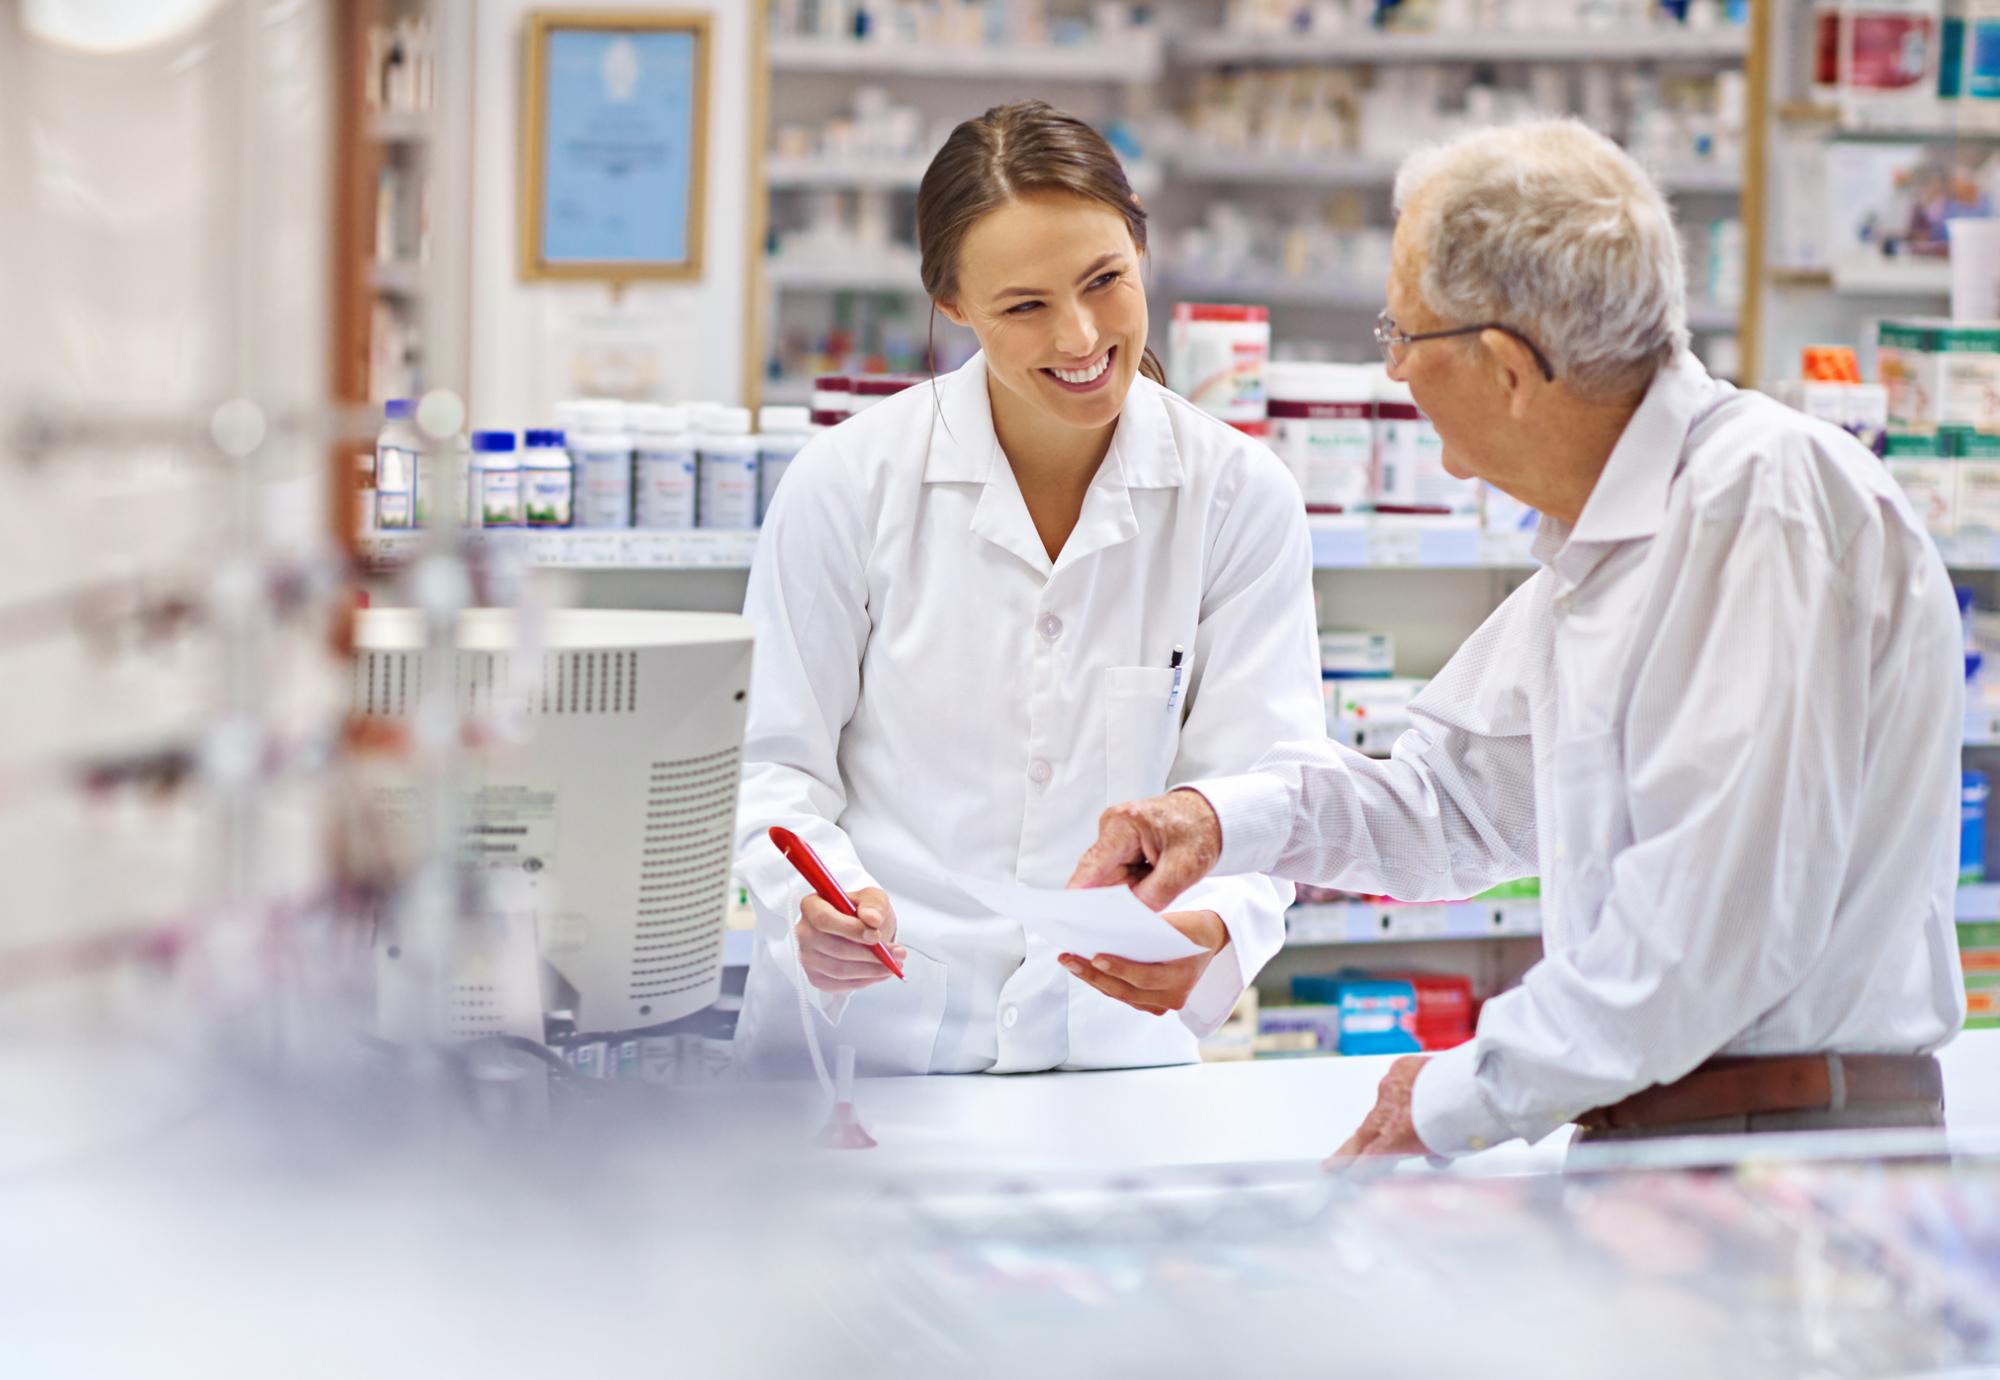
(498, 484)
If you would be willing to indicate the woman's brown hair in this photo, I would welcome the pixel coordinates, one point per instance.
(1009, 151)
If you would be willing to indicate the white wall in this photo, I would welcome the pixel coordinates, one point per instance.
(522, 332)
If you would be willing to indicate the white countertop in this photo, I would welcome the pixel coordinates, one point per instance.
(1264, 1112)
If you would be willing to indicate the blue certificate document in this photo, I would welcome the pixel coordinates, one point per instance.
(621, 121)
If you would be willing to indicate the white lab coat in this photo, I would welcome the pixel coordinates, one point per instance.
(930, 694)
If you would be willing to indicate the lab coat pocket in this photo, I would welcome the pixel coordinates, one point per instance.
(1142, 731)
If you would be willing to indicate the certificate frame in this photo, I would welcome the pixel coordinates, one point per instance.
(612, 248)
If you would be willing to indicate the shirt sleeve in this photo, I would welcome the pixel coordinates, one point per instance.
(1740, 764)
(1254, 681)
(807, 606)
(1449, 814)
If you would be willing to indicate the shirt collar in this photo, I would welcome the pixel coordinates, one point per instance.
(1630, 497)
(964, 448)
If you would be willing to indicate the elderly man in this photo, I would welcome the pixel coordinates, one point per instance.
(1721, 722)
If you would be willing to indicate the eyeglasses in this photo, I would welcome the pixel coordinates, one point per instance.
(1393, 341)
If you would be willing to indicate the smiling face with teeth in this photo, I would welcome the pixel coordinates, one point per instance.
(1050, 284)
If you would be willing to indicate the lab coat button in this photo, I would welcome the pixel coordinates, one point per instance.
(1050, 627)
(1009, 1016)
(1039, 772)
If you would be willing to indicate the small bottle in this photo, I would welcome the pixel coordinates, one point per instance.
(499, 478)
(600, 450)
(663, 467)
(781, 433)
(728, 469)
(397, 447)
(545, 480)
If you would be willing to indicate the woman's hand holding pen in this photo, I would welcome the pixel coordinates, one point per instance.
(834, 948)
(1155, 988)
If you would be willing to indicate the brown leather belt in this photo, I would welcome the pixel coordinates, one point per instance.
(1780, 1083)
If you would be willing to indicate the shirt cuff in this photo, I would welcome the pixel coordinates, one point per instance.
(1449, 1111)
(1213, 997)
(1255, 812)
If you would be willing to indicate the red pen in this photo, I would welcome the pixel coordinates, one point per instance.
(800, 855)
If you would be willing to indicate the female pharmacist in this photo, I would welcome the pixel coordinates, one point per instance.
(990, 607)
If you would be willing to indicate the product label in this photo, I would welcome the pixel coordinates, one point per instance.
(1332, 458)
(728, 491)
(500, 498)
(666, 483)
(545, 497)
(771, 469)
(1890, 53)
(395, 487)
(1983, 82)
(603, 488)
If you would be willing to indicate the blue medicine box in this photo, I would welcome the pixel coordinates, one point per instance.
(1377, 1015)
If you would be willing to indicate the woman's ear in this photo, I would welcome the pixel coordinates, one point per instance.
(952, 313)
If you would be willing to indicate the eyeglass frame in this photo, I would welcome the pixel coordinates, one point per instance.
(1390, 337)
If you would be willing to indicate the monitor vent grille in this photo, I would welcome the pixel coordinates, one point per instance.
(390, 684)
(685, 855)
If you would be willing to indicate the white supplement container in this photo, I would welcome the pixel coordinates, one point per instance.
(832, 400)
(456, 467)
(600, 452)
(781, 433)
(663, 467)
(547, 498)
(1216, 358)
(497, 482)
(1323, 428)
(728, 469)
(1409, 458)
(397, 447)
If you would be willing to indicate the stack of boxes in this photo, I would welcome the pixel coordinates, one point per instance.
(1354, 1012)
(1941, 384)
(1979, 955)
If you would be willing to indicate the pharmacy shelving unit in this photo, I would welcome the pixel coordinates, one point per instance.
(1325, 309)
(1811, 293)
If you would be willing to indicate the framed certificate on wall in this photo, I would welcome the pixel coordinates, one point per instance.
(613, 145)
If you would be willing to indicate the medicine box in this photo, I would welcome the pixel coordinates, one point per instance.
(1940, 373)
(1371, 1015)
(1369, 715)
(1979, 956)
(1357, 655)
(1928, 477)
(1976, 457)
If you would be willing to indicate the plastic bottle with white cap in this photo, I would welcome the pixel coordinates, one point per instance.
(600, 448)
(782, 433)
(728, 469)
(1323, 428)
(663, 467)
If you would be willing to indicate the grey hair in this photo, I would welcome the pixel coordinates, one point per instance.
(1552, 229)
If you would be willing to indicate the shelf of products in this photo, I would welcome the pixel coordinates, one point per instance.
(1358, 922)
(1361, 541)
(579, 549)
(1663, 43)
(1260, 168)
(1138, 58)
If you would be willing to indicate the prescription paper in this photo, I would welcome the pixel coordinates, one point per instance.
(1088, 922)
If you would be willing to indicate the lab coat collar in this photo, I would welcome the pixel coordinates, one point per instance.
(965, 449)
